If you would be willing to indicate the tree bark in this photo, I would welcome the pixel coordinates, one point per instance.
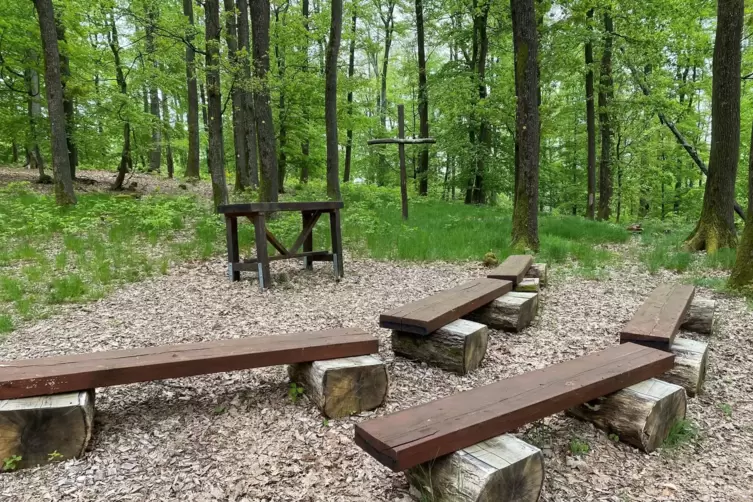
(525, 233)
(590, 121)
(330, 101)
(538, 271)
(742, 272)
(167, 133)
(351, 72)
(511, 312)
(606, 94)
(304, 176)
(700, 317)
(68, 105)
(192, 163)
(282, 111)
(691, 358)
(716, 226)
(53, 82)
(126, 163)
(423, 102)
(263, 110)
(155, 151)
(236, 97)
(214, 102)
(34, 102)
(244, 40)
(479, 135)
(388, 20)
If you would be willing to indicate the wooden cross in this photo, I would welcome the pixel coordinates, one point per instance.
(401, 141)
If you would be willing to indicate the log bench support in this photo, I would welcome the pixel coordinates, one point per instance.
(689, 372)
(528, 285)
(459, 346)
(641, 415)
(342, 387)
(502, 469)
(39, 430)
(538, 271)
(700, 318)
(511, 312)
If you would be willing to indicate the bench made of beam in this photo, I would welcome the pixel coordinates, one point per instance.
(52, 375)
(431, 313)
(513, 269)
(658, 320)
(416, 435)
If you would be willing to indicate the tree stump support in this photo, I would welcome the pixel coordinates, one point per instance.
(538, 271)
(528, 285)
(689, 372)
(700, 318)
(502, 469)
(513, 311)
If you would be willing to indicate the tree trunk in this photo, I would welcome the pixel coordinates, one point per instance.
(282, 111)
(606, 94)
(155, 152)
(214, 101)
(742, 272)
(525, 233)
(689, 372)
(330, 101)
(480, 136)
(590, 121)
(126, 164)
(423, 102)
(68, 106)
(252, 157)
(205, 121)
(53, 82)
(351, 72)
(192, 164)
(304, 177)
(265, 129)
(167, 132)
(716, 226)
(388, 20)
(236, 97)
(34, 101)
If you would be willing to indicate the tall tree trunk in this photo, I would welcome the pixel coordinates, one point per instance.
(716, 227)
(525, 232)
(282, 154)
(330, 101)
(205, 122)
(155, 151)
(742, 272)
(192, 164)
(126, 163)
(606, 93)
(34, 101)
(53, 82)
(481, 136)
(68, 105)
(388, 20)
(167, 133)
(305, 143)
(236, 96)
(14, 151)
(590, 121)
(265, 129)
(252, 157)
(351, 72)
(214, 102)
(423, 102)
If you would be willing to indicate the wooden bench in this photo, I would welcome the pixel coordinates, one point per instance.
(429, 314)
(421, 434)
(513, 269)
(658, 320)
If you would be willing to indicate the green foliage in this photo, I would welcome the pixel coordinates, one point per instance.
(55, 456)
(614, 438)
(682, 432)
(579, 447)
(295, 391)
(726, 409)
(11, 463)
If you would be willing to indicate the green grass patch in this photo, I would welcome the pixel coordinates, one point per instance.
(682, 432)
(6, 324)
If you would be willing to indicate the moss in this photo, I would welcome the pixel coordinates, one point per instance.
(711, 235)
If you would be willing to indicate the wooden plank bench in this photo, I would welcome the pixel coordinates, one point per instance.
(53, 375)
(513, 269)
(658, 320)
(431, 313)
(421, 434)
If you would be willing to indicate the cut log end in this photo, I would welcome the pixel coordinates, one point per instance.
(503, 469)
(528, 285)
(700, 317)
(538, 271)
(641, 415)
(511, 312)
(342, 387)
(40, 430)
(459, 346)
(691, 358)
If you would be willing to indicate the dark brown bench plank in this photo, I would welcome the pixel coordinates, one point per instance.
(52, 375)
(513, 269)
(658, 320)
(431, 313)
(416, 435)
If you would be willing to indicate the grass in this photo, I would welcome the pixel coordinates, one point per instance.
(682, 432)
(578, 447)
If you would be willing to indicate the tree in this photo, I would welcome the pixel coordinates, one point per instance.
(351, 72)
(590, 121)
(126, 161)
(192, 162)
(34, 106)
(423, 102)
(742, 272)
(330, 101)
(248, 100)
(716, 226)
(155, 151)
(606, 93)
(242, 178)
(388, 20)
(265, 129)
(305, 146)
(214, 103)
(53, 82)
(525, 233)
(68, 102)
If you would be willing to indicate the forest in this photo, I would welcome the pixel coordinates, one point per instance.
(601, 110)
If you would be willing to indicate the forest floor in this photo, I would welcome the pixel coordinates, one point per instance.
(238, 436)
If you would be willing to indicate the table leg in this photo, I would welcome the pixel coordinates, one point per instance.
(262, 255)
(337, 243)
(233, 254)
(308, 243)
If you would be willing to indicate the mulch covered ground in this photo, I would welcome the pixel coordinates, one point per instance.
(238, 436)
